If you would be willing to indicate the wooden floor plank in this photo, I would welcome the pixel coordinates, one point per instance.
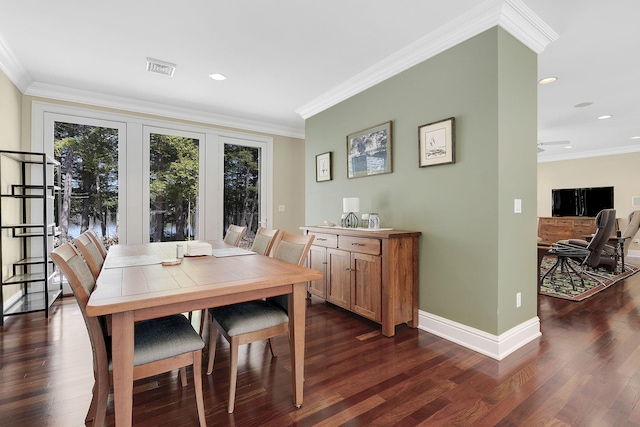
(583, 371)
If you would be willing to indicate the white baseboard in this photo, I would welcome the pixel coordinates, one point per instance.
(633, 254)
(12, 300)
(497, 347)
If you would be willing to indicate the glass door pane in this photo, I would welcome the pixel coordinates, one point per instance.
(89, 167)
(173, 187)
(242, 198)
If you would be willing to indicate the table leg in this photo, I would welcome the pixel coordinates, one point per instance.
(297, 322)
(122, 355)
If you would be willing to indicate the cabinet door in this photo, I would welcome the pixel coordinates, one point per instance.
(318, 261)
(366, 289)
(339, 277)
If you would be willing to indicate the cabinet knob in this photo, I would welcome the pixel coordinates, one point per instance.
(357, 244)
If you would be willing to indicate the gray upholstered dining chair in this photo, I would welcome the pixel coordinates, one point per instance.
(262, 244)
(99, 243)
(252, 321)
(91, 253)
(263, 241)
(234, 235)
(160, 345)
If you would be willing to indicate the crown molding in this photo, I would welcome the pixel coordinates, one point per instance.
(12, 67)
(102, 100)
(512, 15)
(588, 154)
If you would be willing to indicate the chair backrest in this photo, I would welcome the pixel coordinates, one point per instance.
(631, 230)
(234, 235)
(98, 241)
(90, 252)
(292, 248)
(82, 282)
(605, 223)
(263, 241)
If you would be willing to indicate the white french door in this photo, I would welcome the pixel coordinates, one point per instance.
(134, 170)
(173, 162)
(245, 186)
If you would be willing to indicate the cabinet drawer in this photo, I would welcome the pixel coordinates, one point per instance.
(359, 244)
(326, 240)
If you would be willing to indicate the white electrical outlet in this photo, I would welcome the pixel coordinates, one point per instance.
(518, 299)
(280, 208)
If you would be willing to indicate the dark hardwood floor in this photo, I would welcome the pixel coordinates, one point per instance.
(583, 371)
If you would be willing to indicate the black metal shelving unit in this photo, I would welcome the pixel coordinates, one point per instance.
(31, 199)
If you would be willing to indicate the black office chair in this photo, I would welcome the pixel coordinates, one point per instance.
(589, 254)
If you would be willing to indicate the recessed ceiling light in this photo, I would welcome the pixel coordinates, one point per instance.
(606, 116)
(547, 80)
(217, 76)
(568, 146)
(635, 137)
(583, 104)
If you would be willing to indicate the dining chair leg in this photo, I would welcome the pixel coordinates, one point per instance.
(203, 314)
(101, 396)
(233, 377)
(197, 383)
(91, 413)
(272, 347)
(183, 376)
(213, 339)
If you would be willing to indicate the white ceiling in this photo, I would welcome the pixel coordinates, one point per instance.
(284, 58)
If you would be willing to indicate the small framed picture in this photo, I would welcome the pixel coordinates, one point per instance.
(369, 151)
(437, 143)
(323, 167)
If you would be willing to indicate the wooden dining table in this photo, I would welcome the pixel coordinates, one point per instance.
(134, 286)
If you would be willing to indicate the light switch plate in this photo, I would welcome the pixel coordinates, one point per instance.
(517, 205)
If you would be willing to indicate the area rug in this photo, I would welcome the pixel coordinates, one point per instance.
(559, 285)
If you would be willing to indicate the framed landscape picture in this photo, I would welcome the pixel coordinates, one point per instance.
(323, 167)
(437, 143)
(369, 151)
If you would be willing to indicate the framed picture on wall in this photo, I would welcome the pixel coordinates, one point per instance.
(369, 151)
(437, 143)
(323, 167)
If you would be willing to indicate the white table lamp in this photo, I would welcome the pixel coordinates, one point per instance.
(350, 205)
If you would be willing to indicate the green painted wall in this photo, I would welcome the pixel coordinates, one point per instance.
(475, 252)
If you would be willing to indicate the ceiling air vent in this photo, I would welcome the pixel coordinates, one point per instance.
(160, 67)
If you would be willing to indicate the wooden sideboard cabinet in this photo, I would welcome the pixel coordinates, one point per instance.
(554, 229)
(372, 273)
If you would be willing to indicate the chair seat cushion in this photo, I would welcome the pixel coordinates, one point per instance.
(162, 338)
(252, 316)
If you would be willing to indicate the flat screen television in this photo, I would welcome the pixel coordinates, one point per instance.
(581, 201)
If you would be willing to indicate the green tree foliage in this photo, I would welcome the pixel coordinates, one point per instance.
(173, 186)
(241, 183)
(89, 159)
